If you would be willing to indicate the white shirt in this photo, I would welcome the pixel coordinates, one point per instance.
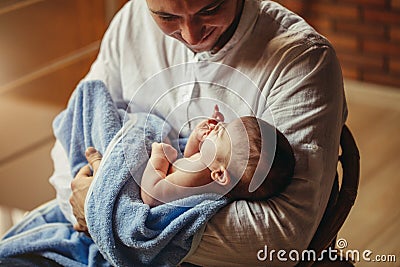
(276, 67)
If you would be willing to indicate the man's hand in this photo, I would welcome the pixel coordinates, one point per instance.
(80, 186)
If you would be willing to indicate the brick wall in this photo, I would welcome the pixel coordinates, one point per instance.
(365, 34)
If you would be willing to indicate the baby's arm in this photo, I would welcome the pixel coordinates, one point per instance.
(156, 170)
(158, 186)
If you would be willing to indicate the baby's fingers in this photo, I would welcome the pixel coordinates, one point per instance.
(218, 115)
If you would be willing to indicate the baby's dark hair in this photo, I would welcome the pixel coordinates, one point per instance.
(259, 158)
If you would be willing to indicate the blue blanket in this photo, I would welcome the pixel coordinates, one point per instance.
(124, 231)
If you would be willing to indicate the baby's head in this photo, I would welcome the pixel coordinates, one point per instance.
(245, 149)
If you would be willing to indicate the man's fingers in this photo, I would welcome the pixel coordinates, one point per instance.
(93, 157)
(80, 228)
(85, 171)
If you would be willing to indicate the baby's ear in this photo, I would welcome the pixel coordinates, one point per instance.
(221, 176)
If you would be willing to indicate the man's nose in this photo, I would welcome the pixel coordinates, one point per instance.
(192, 31)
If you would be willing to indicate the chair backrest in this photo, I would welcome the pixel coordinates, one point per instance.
(341, 200)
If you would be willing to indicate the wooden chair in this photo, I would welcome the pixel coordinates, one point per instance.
(340, 202)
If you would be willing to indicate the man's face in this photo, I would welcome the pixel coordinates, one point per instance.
(196, 23)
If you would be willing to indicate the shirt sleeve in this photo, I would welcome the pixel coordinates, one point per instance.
(61, 180)
(106, 67)
(307, 105)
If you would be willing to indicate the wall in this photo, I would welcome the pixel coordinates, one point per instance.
(365, 33)
(46, 47)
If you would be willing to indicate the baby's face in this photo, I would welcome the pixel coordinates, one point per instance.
(217, 147)
(198, 136)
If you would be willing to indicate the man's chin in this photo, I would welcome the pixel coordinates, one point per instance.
(200, 49)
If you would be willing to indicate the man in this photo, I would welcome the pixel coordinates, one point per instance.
(300, 77)
(254, 57)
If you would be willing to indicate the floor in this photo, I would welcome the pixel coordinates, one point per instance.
(374, 222)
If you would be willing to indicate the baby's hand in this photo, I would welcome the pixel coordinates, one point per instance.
(218, 115)
(203, 129)
(164, 150)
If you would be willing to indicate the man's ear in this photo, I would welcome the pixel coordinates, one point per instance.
(221, 176)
